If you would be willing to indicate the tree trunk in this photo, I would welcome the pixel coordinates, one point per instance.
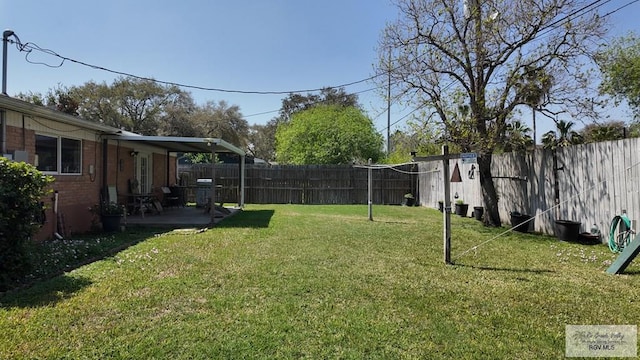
(489, 194)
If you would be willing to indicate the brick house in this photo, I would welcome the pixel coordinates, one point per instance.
(86, 157)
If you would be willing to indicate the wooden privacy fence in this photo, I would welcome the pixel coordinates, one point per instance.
(303, 184)
(594, 182)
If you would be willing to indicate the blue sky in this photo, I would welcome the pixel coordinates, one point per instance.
(250, 45)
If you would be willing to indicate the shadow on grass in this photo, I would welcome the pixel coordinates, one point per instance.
(248, 219)
(394, 222)
(22, 291)
(513, 270)
(45, 293)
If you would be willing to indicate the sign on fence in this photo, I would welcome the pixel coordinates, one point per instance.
(469, 158)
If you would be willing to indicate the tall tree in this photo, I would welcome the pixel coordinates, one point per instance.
(328, 134)
(327, 96)
(129, 103)
(262, 143)
(449, 57)
(177, 118)
(224, 121)
(564, 136)
(612, 130)
(517, 137)
(262, 140)
(619, 63)
(58, 98)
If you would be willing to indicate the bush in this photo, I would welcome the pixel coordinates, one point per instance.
(22, 187)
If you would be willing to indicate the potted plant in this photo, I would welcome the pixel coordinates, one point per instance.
(461, 208)
(409, 199)
(567, 230)
(520, 221)
(478, 211)
(110, 215)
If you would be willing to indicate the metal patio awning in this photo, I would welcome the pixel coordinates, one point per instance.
(192, 145)
(183, 144)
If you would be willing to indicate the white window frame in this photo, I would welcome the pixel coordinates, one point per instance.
(59, 161)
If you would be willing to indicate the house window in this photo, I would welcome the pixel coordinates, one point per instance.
(58, 154)
(70, 150)
(46, 153)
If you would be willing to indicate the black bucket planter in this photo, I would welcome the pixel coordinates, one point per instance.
(462, 209)
(521, 220)
(589, 239)
(567, 230)
(110, 223)
(478, 211)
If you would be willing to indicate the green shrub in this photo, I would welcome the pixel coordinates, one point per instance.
(22, 187)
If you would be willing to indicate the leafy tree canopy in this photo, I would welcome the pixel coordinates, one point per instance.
(148, 108)
(221, 120)
(612, 130)
(619, 63)
(328, 134)
(262, 140)
(564, 136)
(327, 96)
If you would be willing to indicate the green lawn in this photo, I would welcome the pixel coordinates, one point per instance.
(289, 281)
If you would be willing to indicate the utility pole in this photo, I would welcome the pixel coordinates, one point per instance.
(5, 40)
(3, 118)
(389, 105)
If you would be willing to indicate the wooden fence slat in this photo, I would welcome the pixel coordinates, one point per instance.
(315, 184)
(598, 180)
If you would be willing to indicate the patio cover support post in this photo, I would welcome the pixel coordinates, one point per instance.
(242, 170)
(212, 207)
(105, 170)
(168, 164)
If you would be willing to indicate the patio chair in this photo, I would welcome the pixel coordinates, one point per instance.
(168, 198)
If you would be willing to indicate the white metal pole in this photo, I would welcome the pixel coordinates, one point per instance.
(212, 208)
(370, 191)
(446, 212)
(242, 177)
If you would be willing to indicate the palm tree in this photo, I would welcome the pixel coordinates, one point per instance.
(534, 90)
(565, 136)
(517, 137)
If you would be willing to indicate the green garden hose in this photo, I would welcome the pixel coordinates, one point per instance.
(619, 241)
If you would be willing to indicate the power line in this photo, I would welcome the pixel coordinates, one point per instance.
(28, 47)
(620, 8)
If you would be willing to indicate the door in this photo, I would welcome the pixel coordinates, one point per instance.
(143, 165)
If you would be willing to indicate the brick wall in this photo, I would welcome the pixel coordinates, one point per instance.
(78, 193)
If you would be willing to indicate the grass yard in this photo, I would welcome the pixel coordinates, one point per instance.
(289, 281)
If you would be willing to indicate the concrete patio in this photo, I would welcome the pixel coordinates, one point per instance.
(178, 217)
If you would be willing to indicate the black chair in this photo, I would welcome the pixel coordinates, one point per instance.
(169, 198)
